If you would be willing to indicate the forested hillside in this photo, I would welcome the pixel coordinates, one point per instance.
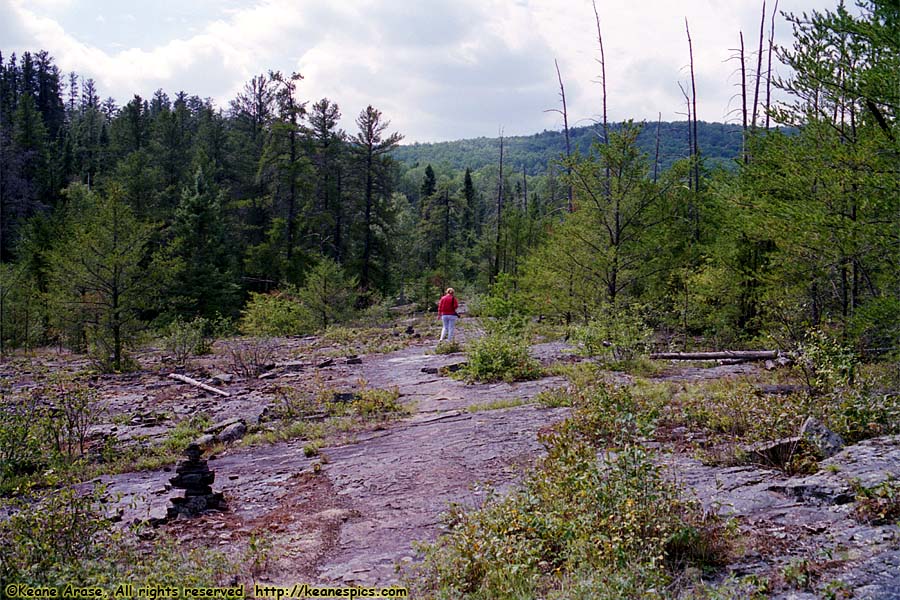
(720, 144)
(117, 220)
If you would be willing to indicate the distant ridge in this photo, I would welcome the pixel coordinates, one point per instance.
(720, 145)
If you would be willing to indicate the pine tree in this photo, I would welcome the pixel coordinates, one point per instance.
(204, 271)
(101, 281)
(371, 150)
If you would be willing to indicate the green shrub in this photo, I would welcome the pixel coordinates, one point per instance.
(615, 335)
(372, 402)
(64, 539)
(183, 339)
(328, 294)
(445, 347)
(576, 528)
(21, 437)
(274, 314)
(498, 357)
(825, 362)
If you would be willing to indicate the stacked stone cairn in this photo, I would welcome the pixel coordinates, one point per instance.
(195, 478)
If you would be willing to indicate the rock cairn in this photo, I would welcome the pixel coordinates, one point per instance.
(195, 478)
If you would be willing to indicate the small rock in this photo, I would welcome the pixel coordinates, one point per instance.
(232, 433)
(354, 361)
(430, 370)
(269, 374)
(343, 397)
(206, 440)
(770, 365)
(784, 361)
(826, 442)
(410, 330)
(775, 452)
(325, 363)
(223, 378)
(222, 425)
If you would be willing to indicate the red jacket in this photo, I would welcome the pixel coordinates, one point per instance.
(447, 305)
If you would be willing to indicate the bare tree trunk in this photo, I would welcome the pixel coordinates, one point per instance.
(687, 103)
(744, 102)
(496, 269)
(608, 189)
(524, 192)
(446, 218)
(695, 209)
(769, 68)
(565, 115)
(656, 157)
(762, 24)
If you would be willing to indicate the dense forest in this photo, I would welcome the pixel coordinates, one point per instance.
(721, 144)
(120, 219)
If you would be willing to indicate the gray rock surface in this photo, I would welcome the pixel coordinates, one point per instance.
(232, 433)
(826, 442)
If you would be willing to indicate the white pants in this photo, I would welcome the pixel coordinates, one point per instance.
(449, 322)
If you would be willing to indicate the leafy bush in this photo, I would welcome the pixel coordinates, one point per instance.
(64, 539)
(451, 347)
(183, 339)
(498, 357)
(825, 362)
(576, 528)
(879, 505)
(372, 402)
(502, 301)
(21, 447)
(276, 313)
(615, 335)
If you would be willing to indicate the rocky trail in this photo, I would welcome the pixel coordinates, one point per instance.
(352, 514)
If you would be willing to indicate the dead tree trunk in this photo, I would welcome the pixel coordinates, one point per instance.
(608, 188)
(769, 68)
(695, 212)
(745, 153)
(496, 269)
(565, 116)
(656, 156)
(762, 24)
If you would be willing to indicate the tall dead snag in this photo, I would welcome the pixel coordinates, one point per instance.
(695, 211)
(690, 125)
(762, 25)
(746, 155)
(565, 116)
(496, 269)
(524, 191)
(603, 86)
(769, 68)
(656, 157)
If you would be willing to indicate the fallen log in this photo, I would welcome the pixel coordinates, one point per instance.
(721, 355)
(199, 384)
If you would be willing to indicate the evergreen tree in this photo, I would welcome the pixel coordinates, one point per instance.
(373, 164)
(204, 270)
(327, 295)
(101, 281)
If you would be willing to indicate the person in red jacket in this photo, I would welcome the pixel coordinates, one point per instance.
(447, 306)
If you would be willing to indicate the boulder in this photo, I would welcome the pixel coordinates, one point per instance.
(232, 433)
(206, 440)
(826, 442)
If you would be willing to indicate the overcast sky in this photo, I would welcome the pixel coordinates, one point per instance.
(439, 70)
